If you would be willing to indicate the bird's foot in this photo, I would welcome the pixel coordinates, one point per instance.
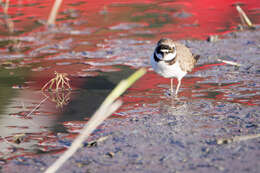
(171, 94)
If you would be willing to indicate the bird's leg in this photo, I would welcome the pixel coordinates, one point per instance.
(178, 86)
(171, 86)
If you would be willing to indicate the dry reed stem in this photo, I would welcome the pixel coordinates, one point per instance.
(243, 17)
(54, 11)
(8, 22)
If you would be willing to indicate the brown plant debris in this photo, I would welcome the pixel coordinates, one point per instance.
(59, 82)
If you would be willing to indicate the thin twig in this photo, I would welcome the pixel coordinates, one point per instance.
(9, 143)
(37, 106)
(229, 62)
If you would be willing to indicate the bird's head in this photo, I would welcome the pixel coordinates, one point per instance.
(165, 49)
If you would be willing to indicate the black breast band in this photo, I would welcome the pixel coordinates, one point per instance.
(156, 58)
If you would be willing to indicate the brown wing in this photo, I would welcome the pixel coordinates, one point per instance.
(185, 57)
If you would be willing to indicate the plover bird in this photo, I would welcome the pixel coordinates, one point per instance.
(172, 59)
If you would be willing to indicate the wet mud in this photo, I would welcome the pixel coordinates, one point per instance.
(153, 132)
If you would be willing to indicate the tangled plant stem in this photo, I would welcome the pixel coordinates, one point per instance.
(61, 82)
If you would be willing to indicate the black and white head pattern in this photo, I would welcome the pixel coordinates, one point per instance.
(165, 50)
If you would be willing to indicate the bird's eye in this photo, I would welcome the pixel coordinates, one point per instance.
(171, 50)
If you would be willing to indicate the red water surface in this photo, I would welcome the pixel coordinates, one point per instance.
(176, 19)
(205, 17)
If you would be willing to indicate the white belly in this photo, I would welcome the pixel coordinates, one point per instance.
(166, 70)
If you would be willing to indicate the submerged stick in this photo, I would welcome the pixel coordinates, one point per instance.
(105, 110)
(54, 11)
(244, 17)
(37, 106)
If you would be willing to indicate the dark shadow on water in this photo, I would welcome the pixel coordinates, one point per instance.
(92, 93)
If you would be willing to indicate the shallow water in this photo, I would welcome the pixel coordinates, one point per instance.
(99, 43)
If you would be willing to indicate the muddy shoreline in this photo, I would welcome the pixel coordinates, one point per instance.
(181, 135)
